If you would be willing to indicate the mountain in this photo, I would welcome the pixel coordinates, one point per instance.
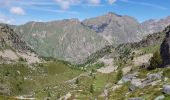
(115, 28)
(68, 40)
(13, 48)
(154, 26)
(119, 29)
(74, 41)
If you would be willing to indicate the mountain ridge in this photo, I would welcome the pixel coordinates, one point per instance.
(56, 38)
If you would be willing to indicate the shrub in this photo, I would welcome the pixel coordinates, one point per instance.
(99, 65)
(166, 73)
(155, 61)
(22, 59)
(91, 89)
(119, 75)
(77, 81)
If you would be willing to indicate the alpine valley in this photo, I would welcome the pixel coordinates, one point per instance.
(108, 57)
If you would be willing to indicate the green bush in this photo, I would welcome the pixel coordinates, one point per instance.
(166, 73)
(155, 61)
(77, 81)
(119, 75)
(91, 89)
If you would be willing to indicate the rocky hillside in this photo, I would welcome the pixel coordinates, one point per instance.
(154, 26)
(74, 41)
(115, 28)
(122, 29)
(13, 48)
(66, 39)
(10, 39)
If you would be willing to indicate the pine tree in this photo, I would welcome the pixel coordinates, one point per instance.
(155, 61)
(119, 75)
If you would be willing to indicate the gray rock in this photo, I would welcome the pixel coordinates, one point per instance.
(4, 89)
(127, 78)
(160, 97)
(166, 89)
(137, 98)
(135, 83)
(154, 76)
(132, 88)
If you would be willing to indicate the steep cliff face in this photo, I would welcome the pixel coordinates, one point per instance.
(165, 47)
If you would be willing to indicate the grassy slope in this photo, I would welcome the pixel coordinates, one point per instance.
(22, 79)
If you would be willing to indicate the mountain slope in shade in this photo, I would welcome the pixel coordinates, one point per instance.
(66, 39)
(115, 28)
(13, 48)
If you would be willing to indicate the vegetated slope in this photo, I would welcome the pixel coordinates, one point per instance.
(66, 39)
(13, 48)
(115, 28)
(37, 81)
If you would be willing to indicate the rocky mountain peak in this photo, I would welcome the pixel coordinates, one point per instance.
(111, 14)
(114, 28)
(165, 47)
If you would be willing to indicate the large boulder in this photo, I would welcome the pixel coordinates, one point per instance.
(165, 47)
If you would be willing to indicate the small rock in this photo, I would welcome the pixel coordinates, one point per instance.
(137, 98)
(165, 79)
(132, 88)
(136, 82)
(166, 89)
(154, 76)
(127, 78)
(160, 97)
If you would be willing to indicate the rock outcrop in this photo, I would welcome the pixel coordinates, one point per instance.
(9, 39)
(13, 48)
(165, 47)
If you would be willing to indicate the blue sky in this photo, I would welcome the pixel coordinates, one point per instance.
(22, 11)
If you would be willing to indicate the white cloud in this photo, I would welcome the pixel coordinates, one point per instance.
(94, 1)
(17, 10)
(111, 1)
(5, 19)
(145, 4)
(65, 4)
